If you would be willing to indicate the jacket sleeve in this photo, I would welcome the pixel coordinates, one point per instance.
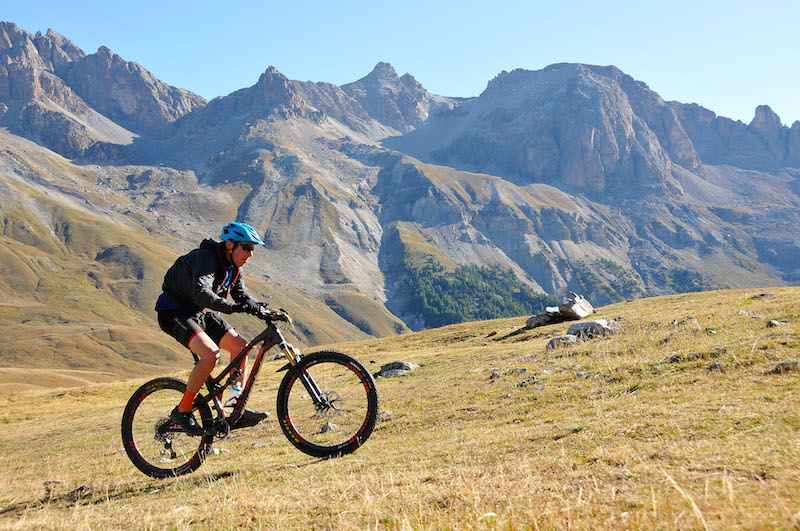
(203, 286)
(239, 291)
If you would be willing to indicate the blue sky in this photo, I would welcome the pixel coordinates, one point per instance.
(727, 56)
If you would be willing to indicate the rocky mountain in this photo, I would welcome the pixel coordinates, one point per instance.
(671, 175)
(575, 177)
(765, 144)
(68, 101)
(592, 130)
(128, 94)
(400, 102)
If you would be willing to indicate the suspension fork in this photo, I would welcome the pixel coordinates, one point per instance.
(294, 356)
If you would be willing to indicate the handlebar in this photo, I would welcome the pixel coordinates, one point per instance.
(273, 314)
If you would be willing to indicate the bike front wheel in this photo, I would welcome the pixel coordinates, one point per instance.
(327, 404)
(156, 445)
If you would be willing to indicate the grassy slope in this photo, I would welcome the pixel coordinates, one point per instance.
(65, 306)
(65, 310)
(69, 304)
(370, 316)
(637, 430)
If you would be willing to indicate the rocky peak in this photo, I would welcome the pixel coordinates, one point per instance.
(767, 126)
(381, 72)
(272, 82)
(51, 67)
(11, 36)
(63, 43)
(274, 90)
(503, 79)
(399, 102)
(20, 64)
(17, 47)
(128, 93)
(272, 95)
(411, 83)
(540, 80)
(49, 52)
(589, 128)
(763, 145)
(765, 120)
(58, 50)
(382, 80)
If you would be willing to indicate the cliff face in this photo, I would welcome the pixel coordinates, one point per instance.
(23, 58)
(593, 129)
(55, 94)
(128, 94)
(763, 144)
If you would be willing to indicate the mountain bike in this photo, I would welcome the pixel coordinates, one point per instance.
(327, 406)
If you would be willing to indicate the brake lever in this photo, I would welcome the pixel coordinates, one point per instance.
(288, 319)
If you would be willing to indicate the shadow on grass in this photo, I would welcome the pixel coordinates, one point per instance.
(88, 494)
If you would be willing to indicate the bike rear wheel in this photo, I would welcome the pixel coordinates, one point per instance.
(156, 445)
(345, 417)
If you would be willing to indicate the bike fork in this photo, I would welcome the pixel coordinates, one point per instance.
(312, 388)
(308, 382)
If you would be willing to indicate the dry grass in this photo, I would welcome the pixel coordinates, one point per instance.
(674, 423)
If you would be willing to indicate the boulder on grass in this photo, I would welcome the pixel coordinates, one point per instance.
(575, 307)
(396, 368)
(561, 341)
(785, 367)
(597, 328)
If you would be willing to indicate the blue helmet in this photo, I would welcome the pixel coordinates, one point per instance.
(240, 232)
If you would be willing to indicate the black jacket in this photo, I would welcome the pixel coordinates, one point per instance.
(202, 279)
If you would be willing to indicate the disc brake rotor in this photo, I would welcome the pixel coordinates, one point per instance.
(331, 406)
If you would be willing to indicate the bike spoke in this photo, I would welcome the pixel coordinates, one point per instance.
(344, 414)
(313, 422)
(156, 445)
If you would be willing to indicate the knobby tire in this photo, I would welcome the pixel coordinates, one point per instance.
(352, 398)
(155, 445)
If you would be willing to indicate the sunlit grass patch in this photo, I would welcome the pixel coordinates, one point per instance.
(664, 425)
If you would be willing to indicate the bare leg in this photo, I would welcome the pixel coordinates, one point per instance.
(208, 352)
(233, 343)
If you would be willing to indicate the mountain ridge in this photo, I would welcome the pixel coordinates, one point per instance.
(575, 177)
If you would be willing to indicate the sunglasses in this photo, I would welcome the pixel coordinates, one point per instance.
(247, 248)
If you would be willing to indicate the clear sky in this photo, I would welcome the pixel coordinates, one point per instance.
(726, 56)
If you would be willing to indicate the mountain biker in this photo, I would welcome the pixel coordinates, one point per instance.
(195, 291)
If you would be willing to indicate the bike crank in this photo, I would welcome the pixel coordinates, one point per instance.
(221, 428)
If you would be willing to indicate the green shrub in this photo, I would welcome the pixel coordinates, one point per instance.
(469, 293)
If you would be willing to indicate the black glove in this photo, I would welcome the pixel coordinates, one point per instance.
(248, 306)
